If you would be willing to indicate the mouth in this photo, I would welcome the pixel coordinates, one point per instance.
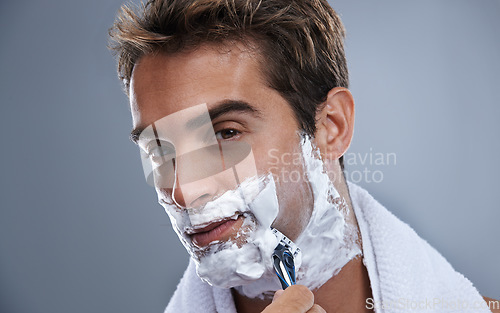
(217, 231)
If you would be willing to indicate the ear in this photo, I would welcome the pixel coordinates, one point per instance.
(335, 124)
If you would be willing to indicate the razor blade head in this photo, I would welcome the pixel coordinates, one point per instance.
(290, 245)
(284, 258)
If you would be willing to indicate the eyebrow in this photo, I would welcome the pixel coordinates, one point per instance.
(221, 108)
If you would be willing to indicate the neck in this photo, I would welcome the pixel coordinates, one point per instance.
(345, 292)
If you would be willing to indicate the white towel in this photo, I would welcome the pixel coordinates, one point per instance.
(406, 273)
(195, 296)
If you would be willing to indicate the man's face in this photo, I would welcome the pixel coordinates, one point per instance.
(242, 108)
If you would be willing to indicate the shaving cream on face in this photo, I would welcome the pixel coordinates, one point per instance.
(245, 258)
(328, 242)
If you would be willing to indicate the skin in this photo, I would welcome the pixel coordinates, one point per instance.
(162, 84)
(494, 305)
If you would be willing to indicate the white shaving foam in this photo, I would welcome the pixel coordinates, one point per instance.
(227, 264)
(327, 243)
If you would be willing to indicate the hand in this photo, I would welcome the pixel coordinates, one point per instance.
(294, 299)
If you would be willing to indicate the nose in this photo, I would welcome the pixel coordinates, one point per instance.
(199, 175)
(187, 193)
(194, 194)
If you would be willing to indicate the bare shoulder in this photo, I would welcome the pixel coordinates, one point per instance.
(493, 304)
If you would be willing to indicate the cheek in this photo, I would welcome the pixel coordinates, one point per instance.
(293, 190)
(275, 154)
(295, 201)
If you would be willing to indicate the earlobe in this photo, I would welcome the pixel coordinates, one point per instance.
(336, 123)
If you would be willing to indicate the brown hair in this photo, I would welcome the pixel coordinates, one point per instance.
(301, 42)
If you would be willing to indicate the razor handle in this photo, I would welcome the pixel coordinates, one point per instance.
(284, 266)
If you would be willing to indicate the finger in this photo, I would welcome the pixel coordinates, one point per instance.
(316, 309)
(295, 299)
(278, 294)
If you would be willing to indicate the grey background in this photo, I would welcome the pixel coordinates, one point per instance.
(80, 230)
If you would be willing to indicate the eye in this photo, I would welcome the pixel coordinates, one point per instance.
(226, 134)
(161, 151)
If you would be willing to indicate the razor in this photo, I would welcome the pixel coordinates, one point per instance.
(284, 257)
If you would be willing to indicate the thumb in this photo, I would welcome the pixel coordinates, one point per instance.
(278, 294)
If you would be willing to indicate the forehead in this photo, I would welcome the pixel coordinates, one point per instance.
(162, 84)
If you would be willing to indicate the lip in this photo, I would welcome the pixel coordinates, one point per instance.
(218, 231)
